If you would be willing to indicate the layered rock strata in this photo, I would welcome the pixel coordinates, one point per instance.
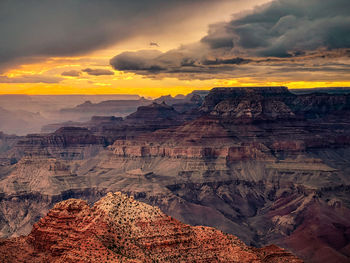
(119, 229)
(281, 179)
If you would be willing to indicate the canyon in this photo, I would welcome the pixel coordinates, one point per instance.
(262, 163)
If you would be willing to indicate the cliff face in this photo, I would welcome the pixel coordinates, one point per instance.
(119, 229)
(322, 104)
(154, 113)
(252, 104)
(244, 105)
(66, 142)
(218, 95)
(201, 138)
(250, 123)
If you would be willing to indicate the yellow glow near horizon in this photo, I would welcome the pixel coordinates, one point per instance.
(122, 82)
(151, 88)
(289, 84)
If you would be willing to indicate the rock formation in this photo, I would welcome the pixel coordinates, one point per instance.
(282, 142)
(119, 229)
(182, 103)
(249, 104)
(154, 113)
(266, 165)
(107, 107)
(66, 142)
(146, 119)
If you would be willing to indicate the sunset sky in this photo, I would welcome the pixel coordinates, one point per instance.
(158, 47)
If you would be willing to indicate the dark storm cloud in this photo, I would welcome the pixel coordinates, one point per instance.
(30, 79)
(71, 73)
(289, 27)
(218, 36)
(98, 72)
(35, 29)
(139, 60)
(283, 31)
(182, 60)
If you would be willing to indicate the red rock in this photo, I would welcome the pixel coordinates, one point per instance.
(321, 233)
(119, 229)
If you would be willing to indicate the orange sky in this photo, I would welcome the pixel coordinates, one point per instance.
(130, 83)
(124, 83)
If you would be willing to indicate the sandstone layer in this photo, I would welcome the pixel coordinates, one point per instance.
(119, 229)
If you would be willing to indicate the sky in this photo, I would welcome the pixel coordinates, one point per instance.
(158, 47)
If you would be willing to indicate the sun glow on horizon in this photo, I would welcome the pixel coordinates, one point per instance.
(151, 88)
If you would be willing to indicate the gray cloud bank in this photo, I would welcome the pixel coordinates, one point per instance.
(278, 37)
(71, 73)
(30, 79)
(35, 29)
(98, 72)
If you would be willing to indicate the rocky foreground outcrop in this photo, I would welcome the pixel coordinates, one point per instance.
(119, 229)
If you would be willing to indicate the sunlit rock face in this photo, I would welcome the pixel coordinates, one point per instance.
(276, 177)
(119, 229)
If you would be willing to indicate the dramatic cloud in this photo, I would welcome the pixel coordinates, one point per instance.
(34, 29)
(285, 28)
(140, 60)
(71, 73)
(30, 79)
(272, 39)
(98, 72)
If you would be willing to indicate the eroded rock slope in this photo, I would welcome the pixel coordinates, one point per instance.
(119, 229)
